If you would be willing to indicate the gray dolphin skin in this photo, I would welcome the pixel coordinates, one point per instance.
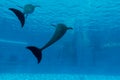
(58, 34)
(29, 8)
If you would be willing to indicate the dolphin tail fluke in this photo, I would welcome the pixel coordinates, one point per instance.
(36, 52)
(20, 15)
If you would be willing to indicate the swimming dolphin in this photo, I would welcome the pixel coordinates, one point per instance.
(27, 9)
(59, 32)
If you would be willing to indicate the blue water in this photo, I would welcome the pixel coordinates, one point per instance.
(92, 47)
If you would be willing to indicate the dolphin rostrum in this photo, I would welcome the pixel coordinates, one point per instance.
(27, 9)
(59, 32)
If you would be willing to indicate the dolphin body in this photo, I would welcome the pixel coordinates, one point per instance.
(59, 32)
(27, 9)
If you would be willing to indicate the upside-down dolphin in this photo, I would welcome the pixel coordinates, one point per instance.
(27, 9)
(59, 32)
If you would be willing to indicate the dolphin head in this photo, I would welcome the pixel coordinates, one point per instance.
(63, 26)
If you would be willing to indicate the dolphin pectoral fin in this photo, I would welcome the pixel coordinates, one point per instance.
(36, 52)
(53, 25)
(26, 15)
(37, 6)
(70, 28)
(19, 15)
(20, 7)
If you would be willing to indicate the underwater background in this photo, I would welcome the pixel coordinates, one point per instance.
(91, 51)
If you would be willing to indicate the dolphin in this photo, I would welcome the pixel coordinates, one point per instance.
(27, 9)
(59, 32)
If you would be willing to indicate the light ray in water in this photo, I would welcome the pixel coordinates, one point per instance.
(12, 42)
